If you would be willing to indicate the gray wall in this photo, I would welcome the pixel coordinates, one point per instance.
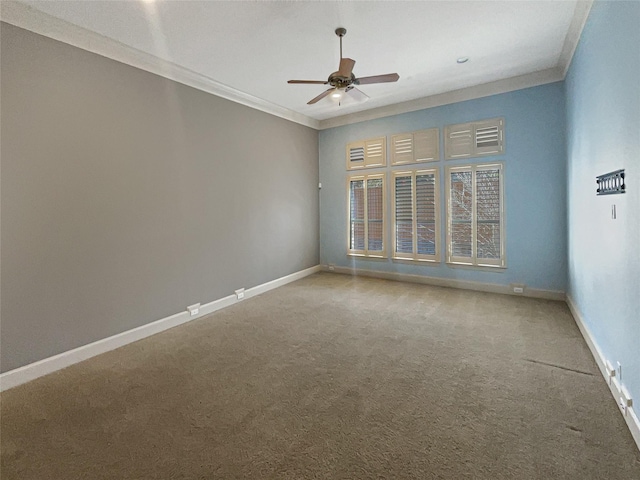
(126, 197)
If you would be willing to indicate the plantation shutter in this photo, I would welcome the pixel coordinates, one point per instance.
(422, 146)
(461, 214)
(488, 205)
(459, 141)
(416, 215)
(367, 153)
(474, 139)
(489, 137)
(356, 215)
(375, 152)
(426, 144)
(402, 149)
(404, 214)
(355, 155)
(426, 211)
(375, 208)
(475, 229)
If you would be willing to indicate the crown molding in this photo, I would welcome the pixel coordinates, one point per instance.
(26, 17)
(580, 15)
(470, 93)
(29, 18)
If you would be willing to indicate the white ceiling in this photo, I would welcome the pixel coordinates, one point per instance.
(255, 47)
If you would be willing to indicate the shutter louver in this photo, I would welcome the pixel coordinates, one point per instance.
(404, 214)
(356, 154)
(488, 214)
(426, 214)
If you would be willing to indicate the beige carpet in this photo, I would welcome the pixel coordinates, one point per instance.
(332, 377)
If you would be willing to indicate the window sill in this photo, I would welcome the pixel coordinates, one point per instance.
(486, 268)
(368, 257)
(421, 261)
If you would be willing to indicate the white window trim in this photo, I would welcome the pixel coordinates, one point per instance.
(415, 257)
(366, 252)
(474, 261)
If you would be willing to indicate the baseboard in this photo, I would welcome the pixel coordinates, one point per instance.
(448, 282)
(630, 416)
(278, 282)
(24, 374)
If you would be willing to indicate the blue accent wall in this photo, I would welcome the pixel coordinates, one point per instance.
(603, 125)
(535, 182)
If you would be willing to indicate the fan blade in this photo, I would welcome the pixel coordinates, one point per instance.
(320, 97)
(389, 77)
(357, 94)
(346, 67)
(311, 82)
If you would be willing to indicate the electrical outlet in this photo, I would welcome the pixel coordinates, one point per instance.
(619, 372)
(240, 293)
(625, 400)
(194, 309)
(332, 267)
(517, 288)
(611, 371)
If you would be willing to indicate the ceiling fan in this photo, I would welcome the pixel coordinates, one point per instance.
(344, 81)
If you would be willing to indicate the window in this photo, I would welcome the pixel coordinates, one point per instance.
(366, 215)
(367, 153)
(416, 219)
(422, 146)
(474, 139)
(475, 215)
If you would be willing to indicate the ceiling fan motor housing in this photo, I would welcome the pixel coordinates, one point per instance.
(339, 81)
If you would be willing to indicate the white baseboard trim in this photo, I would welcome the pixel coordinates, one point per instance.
(448, 282)
(24, 374)
(630, 416)
(278, 282)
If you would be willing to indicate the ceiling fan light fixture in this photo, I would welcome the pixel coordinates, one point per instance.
(343, 82)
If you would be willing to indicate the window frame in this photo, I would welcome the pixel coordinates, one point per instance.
(474, 261)
(366, 252)
(415, 256)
